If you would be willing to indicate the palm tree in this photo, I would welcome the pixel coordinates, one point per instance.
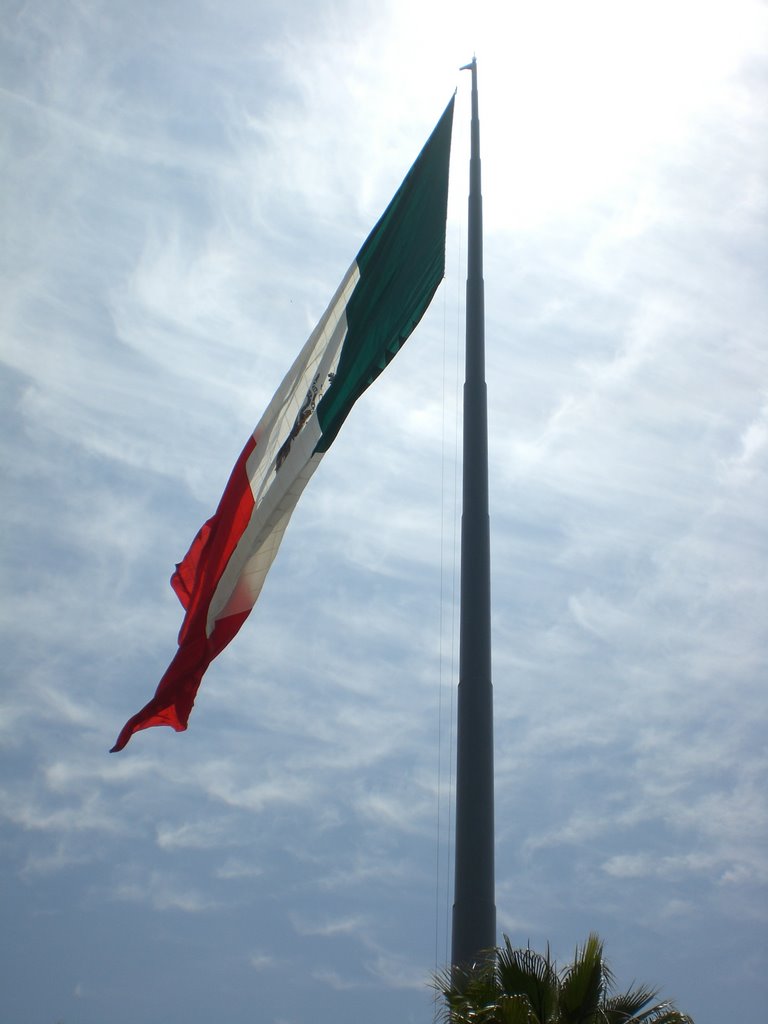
(520, 986)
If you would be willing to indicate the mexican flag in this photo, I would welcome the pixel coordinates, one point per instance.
(380, 300)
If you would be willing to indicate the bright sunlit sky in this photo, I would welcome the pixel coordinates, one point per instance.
(184, 185)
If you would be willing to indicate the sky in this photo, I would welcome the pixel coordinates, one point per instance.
(184, 186)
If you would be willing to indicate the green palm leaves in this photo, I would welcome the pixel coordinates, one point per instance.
(520, 986)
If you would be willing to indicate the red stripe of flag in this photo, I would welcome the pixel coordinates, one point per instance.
(195, 581)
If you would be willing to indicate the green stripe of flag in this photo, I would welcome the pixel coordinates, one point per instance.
(401, 264)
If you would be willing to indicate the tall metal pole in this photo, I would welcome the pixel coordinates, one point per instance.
(474, 908)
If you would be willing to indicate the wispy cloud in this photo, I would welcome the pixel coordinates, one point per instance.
(162, 891)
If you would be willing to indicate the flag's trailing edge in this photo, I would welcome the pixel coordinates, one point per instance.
(381, 299)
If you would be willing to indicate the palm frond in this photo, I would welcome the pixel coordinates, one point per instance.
(583, 984)
(524, 972)
(663, 1013)
(515, 1010)
(470, 994)
(619, 1009)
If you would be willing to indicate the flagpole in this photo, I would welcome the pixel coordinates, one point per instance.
(474, 909)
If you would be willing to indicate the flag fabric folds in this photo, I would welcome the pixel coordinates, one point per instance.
(380, 300)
